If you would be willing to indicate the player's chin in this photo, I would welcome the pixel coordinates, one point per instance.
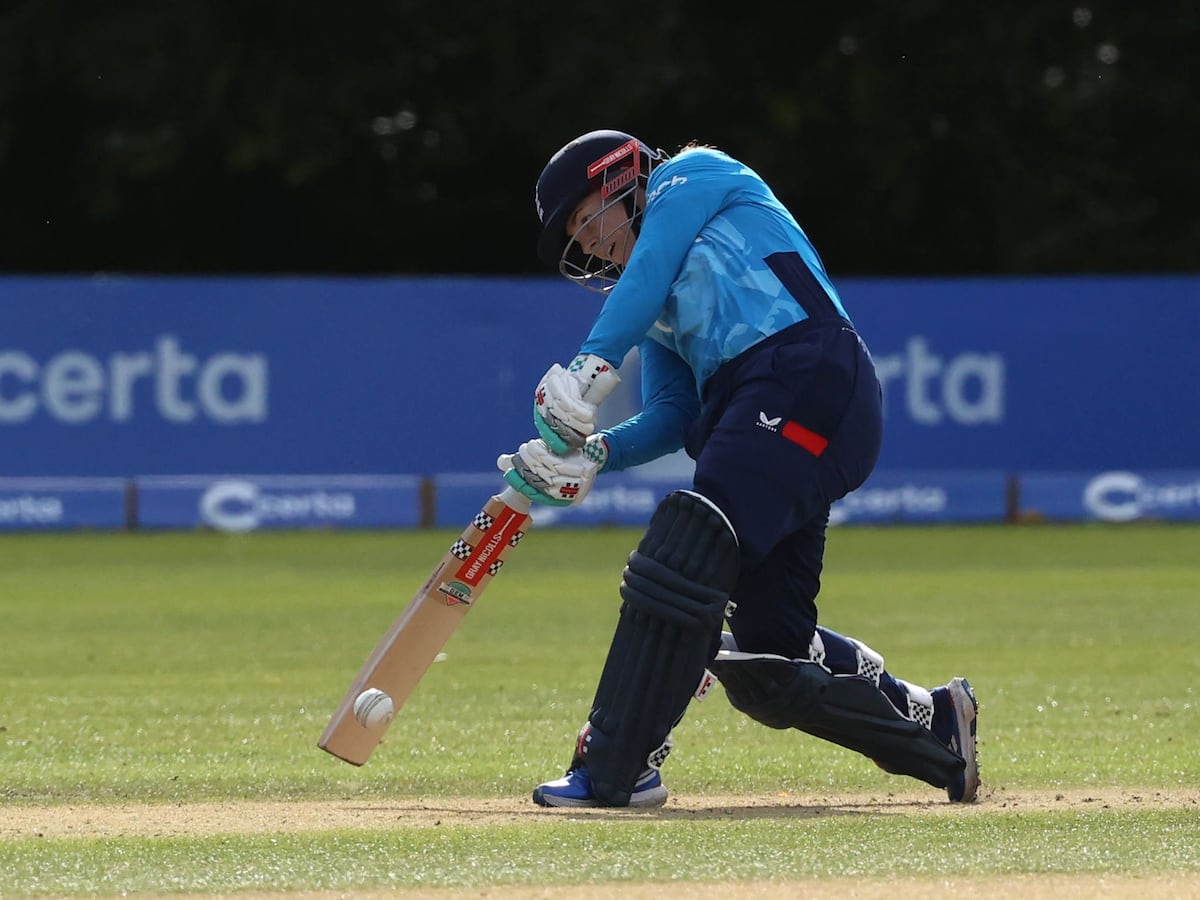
(624, 250)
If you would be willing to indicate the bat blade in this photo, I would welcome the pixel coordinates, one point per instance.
(419, 633)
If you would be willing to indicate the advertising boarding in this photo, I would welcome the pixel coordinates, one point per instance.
(123, 377)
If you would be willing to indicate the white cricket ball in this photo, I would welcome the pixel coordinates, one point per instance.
(373, 708)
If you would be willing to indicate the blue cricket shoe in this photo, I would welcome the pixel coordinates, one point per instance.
(575, 789)
(961, 739)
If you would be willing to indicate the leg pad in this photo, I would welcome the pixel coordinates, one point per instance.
(848, 710)
(674, 592)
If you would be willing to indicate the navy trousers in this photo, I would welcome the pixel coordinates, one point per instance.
(787, 428)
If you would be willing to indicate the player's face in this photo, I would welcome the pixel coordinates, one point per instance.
(602, 231)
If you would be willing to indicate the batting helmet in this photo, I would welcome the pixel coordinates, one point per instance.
(605, 159)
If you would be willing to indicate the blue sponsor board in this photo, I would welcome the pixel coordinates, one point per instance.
(457, 497)
(48, 504)
(127, 376)
(116, 377)
(1111, 496)
(249, 503)
(621, 498)
(1035, 374)
(925, 497)
(615, 499)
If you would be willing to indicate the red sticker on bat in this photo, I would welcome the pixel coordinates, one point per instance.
(500, 535)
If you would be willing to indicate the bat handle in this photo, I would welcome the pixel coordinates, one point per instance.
(515, 499)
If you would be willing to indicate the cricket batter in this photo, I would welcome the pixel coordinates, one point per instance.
(751, 362)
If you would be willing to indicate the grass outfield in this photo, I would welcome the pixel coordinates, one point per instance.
(161, 696)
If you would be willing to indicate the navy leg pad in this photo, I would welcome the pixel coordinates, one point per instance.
(674, 592)
(848, 710)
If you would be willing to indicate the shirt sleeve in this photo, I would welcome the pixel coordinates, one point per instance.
(684, 194)
(670, 404)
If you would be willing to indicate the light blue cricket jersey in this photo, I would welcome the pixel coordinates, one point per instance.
(697, 292)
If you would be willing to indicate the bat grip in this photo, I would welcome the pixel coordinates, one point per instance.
(515, 500)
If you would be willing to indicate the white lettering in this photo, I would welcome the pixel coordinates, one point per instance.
(622, 500)
(1125, 496)
(244, 506)
(484, 556)
(72, 387)
(172, 366)
(75, 387)
(250, 375)
(922, 366)
(124, 370)
(898, 502)
(986, 370)
(23, 405)
(968, 389)
(617, 501)
(229, 506)
(654, 194)
(28, 509)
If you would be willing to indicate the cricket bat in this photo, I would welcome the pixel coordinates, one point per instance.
(406, 651)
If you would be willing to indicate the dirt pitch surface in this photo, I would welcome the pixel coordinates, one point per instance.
(253, 817)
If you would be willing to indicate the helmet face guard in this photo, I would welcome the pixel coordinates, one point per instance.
(618, 166)
(620, 178)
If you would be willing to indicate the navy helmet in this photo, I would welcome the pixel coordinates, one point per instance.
(613, 161)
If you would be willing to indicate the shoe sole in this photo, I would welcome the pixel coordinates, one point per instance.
(966, 713)
(542, 799)
(656, 796)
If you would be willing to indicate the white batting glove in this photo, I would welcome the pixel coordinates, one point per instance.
(547, 477)
(565, 403)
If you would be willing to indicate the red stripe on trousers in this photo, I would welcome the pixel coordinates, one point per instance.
(809, 440)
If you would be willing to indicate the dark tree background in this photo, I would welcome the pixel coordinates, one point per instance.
(924, 137)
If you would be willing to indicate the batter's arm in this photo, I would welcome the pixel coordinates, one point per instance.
(670, 404)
